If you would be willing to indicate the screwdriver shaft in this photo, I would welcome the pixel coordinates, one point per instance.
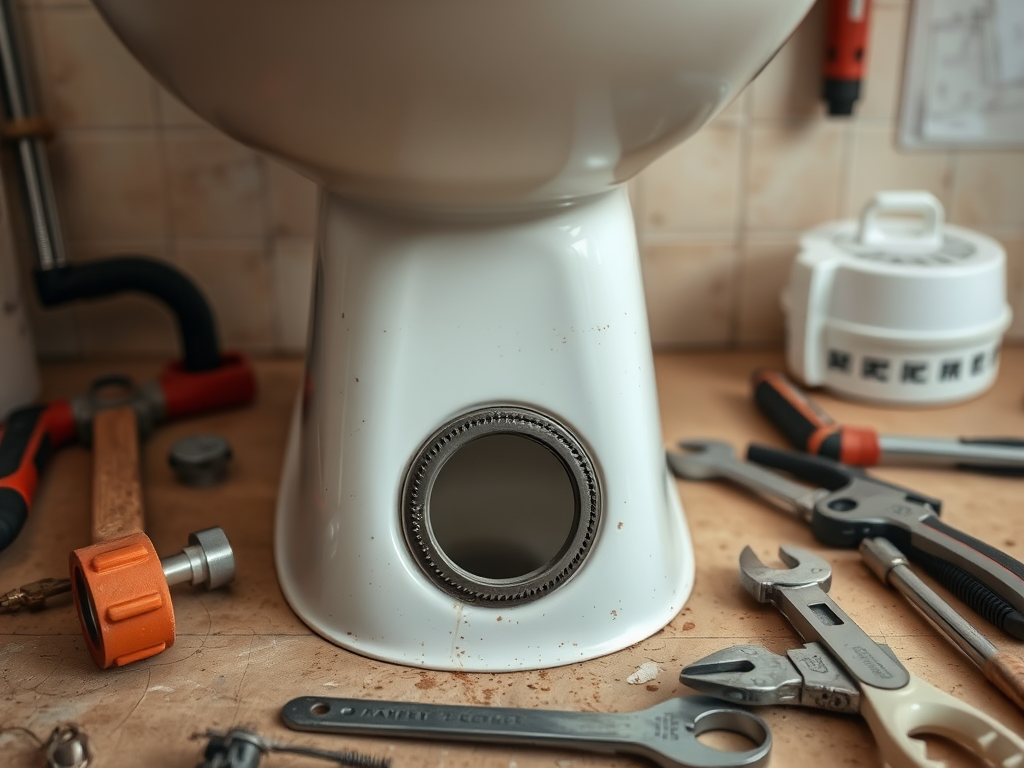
(1003, 669)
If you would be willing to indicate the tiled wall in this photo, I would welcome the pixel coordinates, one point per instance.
(718, 218)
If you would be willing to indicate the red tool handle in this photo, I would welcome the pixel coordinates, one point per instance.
(846, 37)
(809, 428)
(32, 433)
(187, 393)
(28, 438)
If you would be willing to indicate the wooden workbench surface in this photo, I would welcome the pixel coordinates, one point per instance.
(241, 653)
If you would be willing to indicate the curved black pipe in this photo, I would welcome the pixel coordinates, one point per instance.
(96, 279)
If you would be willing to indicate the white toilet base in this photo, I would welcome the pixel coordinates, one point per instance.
(420, 322)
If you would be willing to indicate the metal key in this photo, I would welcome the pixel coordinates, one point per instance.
(713, 459)
(665, 734)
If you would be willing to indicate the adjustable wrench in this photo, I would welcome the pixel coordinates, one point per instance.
(896, 704)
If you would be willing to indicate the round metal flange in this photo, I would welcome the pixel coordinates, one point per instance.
(443, 445)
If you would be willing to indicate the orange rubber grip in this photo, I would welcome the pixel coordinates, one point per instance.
(809, 428)
(123, 602)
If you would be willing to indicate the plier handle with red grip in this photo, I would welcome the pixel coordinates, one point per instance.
(32, 433)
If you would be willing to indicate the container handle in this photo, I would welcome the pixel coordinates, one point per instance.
(922, 205)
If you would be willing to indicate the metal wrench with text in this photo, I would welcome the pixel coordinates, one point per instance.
(841, 669)
(848, 505)
(666, 734)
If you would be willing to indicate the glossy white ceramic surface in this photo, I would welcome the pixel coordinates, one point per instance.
(457, 102)
(419, 321)
(475, 248)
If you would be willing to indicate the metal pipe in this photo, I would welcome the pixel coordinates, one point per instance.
(36, 185)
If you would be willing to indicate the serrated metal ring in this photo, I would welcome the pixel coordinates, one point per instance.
(449, 440)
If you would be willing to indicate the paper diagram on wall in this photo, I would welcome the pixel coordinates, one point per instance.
(964, 78)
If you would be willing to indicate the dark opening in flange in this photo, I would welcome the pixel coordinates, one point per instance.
(501, 506)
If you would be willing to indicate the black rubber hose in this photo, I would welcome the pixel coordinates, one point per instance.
(96, 279)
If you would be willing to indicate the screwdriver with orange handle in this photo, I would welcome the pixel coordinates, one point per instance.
(810, 429)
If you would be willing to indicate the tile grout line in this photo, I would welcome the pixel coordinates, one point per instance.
(849, 158)
(741, 229)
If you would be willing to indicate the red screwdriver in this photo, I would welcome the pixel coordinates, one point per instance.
(810, 429)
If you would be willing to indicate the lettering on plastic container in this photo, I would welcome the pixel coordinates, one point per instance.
(912, 372)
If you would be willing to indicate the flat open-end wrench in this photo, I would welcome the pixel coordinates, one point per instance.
(716, 460)
(665, 733)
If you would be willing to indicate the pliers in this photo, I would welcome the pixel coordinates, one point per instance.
(841, 669)
(849, 505)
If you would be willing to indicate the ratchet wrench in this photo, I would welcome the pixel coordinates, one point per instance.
(665, 733)
(848, 505)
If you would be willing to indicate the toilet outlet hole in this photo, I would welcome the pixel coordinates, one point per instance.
(501, 506)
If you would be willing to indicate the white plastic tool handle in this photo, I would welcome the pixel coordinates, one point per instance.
(919, 709)
(924, 205)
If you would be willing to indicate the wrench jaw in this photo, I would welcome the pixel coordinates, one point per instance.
(805, 569)
(700, 459)
(745, 674)
(753, 675)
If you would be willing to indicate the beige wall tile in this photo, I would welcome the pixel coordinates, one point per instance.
(127, 325)
(110, 185)
(763, 273)
(989, 189)
(737, 111)
(54, 330)
(690, 289)
(174, 114)
(293, 202)
(88, 77)
(218, 188)
(795, 176)
(30, 28)
(883, 72)
(877, 164)
(696, 186)
(293, 279)
(236, 278)
(790, 86)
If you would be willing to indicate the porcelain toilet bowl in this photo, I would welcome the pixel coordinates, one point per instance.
(475, 477)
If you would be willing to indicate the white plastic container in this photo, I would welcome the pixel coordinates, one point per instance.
(898, 308)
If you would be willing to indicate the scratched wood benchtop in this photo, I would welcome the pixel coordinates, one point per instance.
(241, 653)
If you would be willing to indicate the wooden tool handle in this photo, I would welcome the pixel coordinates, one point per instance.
(116, 487)
(1006, 672)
